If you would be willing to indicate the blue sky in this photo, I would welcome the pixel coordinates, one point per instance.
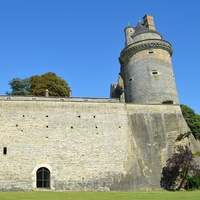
(81, 41)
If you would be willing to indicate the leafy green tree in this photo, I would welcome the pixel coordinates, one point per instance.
(55, 85)
(19, 87)
(178, 167)
(37, 86)
(198, 118)
(192, 119)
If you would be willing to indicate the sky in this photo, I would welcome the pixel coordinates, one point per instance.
(81, 40)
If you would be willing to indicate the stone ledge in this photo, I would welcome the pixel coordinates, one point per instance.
(142, 45)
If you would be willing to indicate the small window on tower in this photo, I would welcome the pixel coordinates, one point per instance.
(154, 72)
(150, 52)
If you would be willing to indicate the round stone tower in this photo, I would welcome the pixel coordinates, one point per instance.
(146, 66)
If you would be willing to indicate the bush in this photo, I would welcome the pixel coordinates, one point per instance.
(192, 183)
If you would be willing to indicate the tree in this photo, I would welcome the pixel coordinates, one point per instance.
(37, 86)
(178, 167)
(192, 119)
(51, 82)
(198, 118)
(19, 87)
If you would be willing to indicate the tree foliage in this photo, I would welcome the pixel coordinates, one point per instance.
(49, 81)
(192, 119)
(37, 86)
(178, 168)
(193, 183)
(19, 87)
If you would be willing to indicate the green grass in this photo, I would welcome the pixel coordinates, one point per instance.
(153, 195)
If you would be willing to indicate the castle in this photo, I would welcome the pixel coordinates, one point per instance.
(119, 143)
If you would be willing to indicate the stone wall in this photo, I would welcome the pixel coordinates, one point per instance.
(86, 145)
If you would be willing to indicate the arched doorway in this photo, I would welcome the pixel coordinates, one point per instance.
(43, 178)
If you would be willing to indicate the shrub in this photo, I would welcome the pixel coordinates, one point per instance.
(192, 183)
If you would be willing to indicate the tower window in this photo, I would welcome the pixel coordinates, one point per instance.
(4, 150)
(150, 52)
(130, 79)
(154, 72)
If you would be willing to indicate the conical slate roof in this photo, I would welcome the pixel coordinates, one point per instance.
(141, 29)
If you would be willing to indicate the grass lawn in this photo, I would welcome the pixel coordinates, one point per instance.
(153, 195)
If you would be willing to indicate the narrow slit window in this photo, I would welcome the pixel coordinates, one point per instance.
(4, 150)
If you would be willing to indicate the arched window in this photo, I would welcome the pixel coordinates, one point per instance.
(43, 178)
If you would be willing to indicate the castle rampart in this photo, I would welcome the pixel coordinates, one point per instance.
(86, 145)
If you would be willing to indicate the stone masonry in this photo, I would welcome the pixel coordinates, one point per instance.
(94, 145)
(119, 143)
